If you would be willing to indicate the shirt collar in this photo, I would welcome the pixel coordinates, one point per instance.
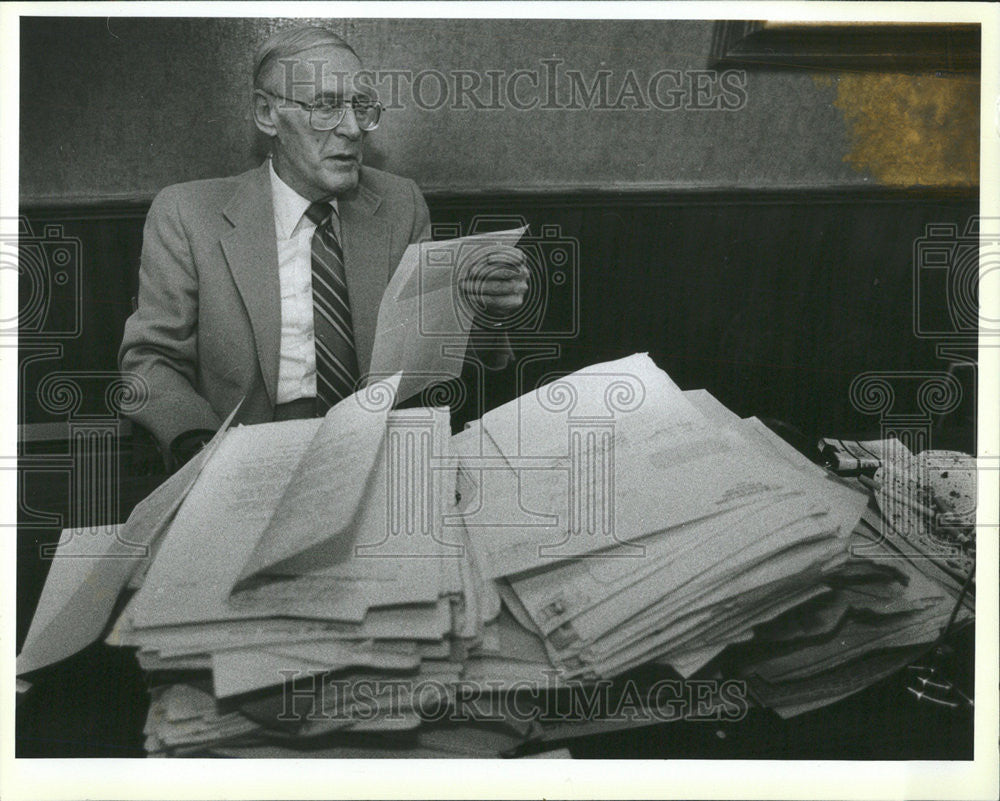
(289, 206)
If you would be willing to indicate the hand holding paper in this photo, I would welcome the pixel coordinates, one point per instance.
(494, 282)
(428, 309)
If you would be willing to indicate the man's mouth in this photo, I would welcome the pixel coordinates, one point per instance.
(344, 158)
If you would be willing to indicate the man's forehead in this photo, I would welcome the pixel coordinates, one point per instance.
(318, 71)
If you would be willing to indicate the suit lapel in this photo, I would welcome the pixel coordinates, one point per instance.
(366, 244)
(252, 253)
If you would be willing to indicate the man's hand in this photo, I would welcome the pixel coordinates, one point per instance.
(495, 283)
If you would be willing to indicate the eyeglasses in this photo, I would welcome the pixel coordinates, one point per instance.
(327, 116)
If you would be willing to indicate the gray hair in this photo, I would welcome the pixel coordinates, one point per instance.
(289, 42)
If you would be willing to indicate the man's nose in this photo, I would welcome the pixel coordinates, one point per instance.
(348, 127)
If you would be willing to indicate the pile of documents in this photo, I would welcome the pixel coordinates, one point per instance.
(300, 551)
(863, 630)
(918, 529)
(625, 521)
(334, 587)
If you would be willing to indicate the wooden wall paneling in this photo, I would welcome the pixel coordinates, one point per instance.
(773, 303)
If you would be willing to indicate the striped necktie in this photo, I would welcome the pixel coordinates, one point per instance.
(336, 358)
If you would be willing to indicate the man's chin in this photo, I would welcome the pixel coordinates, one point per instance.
(342, 178)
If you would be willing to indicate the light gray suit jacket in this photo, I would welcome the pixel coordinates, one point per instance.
(207, 330)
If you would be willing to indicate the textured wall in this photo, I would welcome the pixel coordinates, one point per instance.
(119, 108)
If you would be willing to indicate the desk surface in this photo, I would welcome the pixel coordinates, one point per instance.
(94, 705)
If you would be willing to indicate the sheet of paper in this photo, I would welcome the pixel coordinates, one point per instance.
(419, 622)
(697, 582)
(851, 640)
(556, 596)
(711, 407)
(606, 455)
(822, 617)
(423, 324)
(151, 661)
(219, 525)
(228, 511)
(756, 432)
(385, 654)
(542, 514)
(678, 644)
(735, 614)
(92, 566)
(241, 671)
(797, 697)
(630, 395)
(694, 654)
(516, 643)
(433, 266)
(181, 714)
(471, 449)
(393, 552)
(325, 496)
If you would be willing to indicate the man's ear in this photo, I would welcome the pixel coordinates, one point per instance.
(263, 113)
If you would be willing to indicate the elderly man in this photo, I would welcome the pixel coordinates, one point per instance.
(266, 286)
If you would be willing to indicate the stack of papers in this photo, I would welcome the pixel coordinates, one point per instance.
(861, 632)
(869, 627)
(626, 521)
(294, 556)
(337, 586)
(186, 720)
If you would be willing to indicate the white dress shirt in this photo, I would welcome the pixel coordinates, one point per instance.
(294, 231)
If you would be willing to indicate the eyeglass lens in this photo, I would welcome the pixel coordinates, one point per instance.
(366, 112)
